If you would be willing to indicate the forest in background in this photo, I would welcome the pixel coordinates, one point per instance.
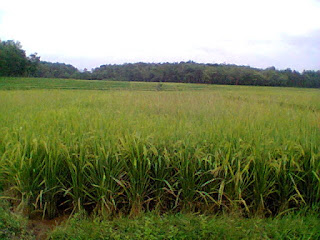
(14, 62)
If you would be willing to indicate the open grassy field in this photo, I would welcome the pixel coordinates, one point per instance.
(166, 148)
(10, 83)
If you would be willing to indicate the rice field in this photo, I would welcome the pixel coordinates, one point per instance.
(141, 147)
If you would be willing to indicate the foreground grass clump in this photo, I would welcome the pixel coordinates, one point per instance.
(252, 150)
(12, 226)
(184, 226)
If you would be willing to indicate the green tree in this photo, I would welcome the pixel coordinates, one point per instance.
(13, 60)
(34, 61)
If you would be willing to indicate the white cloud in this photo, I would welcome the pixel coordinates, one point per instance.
(231, 31)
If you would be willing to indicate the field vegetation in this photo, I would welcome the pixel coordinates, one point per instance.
(11, 83)
(187, 226)
(138, 148)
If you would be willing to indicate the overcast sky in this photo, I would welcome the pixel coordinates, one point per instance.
(259, 33)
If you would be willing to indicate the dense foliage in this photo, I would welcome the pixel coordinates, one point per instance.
(191, 72)
(13, 62)
(56, 70)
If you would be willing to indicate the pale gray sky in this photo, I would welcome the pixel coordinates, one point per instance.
(280, 33)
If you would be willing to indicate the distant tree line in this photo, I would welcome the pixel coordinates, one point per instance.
(14, 62)
(191, 72)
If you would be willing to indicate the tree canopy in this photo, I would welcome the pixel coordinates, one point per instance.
(13, 60)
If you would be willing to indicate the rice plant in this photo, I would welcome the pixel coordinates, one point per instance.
(252, 150)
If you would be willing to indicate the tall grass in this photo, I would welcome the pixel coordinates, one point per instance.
(251, 150)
